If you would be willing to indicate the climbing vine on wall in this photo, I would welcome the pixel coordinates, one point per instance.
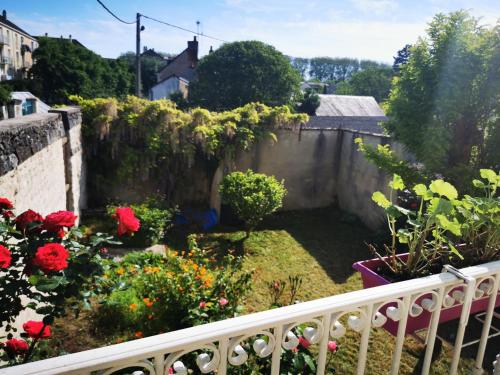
(137, 140)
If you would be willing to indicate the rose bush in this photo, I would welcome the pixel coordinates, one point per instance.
(47, 266)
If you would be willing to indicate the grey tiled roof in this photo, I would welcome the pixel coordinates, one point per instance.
(360, 113)
(347, 105)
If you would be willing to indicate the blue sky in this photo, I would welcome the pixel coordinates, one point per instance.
(373, 29)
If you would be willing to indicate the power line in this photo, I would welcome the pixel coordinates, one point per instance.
(182, 28)
(114, 15)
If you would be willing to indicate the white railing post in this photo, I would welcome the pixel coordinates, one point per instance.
(400, 339)
(276, 358)
(363, 345)
(470, 289)
(431, 333)
(487, 325)
(160, 364)
(323, 345)
(223, 347)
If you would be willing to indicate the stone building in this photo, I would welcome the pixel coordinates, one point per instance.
(177, 74)
(16, 48)
(359, 113)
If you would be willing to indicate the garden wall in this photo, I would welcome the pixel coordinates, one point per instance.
(41, 162)
(320, 168)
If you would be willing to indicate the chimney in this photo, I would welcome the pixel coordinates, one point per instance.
(4, 14)
(193, 52)
(70, 38)
(211, 50)
(46, 34)
(144, 49)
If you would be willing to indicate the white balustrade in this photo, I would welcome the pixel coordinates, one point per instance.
(212, 348)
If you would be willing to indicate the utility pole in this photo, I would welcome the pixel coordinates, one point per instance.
(138, 56)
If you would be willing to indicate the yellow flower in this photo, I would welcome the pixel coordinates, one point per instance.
(120, 271)
(131, 269)
(105, 277)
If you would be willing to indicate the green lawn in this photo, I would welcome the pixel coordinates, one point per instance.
(319, 245)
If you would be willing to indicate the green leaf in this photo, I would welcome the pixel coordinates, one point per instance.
(452, 226)
(310, 363)
(489, 175)
(47, 284)
(380, 199)
(397, 182)
(455, 251)
(443, 188)
(479, 184)
(404, 236)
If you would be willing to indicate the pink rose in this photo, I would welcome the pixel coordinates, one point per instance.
(332, 346)
(203, 304)
(223, 302)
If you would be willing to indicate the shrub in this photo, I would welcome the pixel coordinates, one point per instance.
(47, 262)
(252, 196)
(155, 221)
(153, 293)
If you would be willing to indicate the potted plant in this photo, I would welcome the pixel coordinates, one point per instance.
(442, 229)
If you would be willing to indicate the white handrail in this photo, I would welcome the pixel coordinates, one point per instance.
(158, 351)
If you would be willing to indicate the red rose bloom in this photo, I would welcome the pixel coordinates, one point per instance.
(16, 346)
(304, 342)
(127, 222)
(56, 221)
(5, 257)
(51, 257)
(5, 204)
(34, 329)
(26, 218)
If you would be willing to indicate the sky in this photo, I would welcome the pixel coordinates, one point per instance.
(367, 29)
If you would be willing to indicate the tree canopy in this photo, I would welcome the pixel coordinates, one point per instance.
(63, 68)
(243, 72)
(444, 106)
(370, 82)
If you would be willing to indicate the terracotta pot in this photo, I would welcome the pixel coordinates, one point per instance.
(371, 278)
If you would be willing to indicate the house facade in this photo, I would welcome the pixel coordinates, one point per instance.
(177, 74)
(16, 48)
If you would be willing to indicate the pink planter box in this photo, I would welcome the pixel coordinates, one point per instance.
(371, 278)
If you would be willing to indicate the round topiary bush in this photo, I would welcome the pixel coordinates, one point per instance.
(252, 196)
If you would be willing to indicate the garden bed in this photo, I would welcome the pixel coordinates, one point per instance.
(318, 245)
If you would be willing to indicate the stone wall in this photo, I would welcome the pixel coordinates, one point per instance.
(41, 162)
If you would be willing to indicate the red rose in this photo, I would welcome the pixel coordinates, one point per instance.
(5, 204)
(56, 221)
(127, 222)
(51, 257)
(304, 342)
(16, 346)
(5, 257)
(26, 218)
(34, 329)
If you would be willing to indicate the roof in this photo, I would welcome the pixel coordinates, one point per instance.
(12, 25)
(25, 95)
(347, 105)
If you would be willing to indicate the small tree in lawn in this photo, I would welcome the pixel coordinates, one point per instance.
(252, 196)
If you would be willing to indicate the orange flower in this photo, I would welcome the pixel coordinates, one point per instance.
(138, 334)
(132, 306)
(148, 302)
(120, 271)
